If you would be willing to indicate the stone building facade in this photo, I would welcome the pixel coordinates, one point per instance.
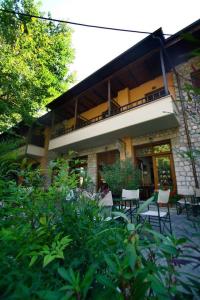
(137, 100)
(177, 136)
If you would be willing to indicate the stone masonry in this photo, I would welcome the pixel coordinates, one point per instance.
(92, 167)
(183, 167)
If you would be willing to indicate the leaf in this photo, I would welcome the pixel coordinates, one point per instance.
(64, 274)
(105, 281)
(43, 220)
(132, 256)
(88, 278)
(121, 215)
(145, 205)
(131, 227)
(47, 259)
(65, 240)
(157, 286)
(169, 249)
(111, 264)
(33, 260)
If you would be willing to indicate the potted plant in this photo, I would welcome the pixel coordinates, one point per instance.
(121, 175)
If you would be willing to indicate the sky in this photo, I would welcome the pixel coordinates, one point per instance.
(96, 47)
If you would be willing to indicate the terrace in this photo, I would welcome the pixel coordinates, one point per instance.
(142, 116)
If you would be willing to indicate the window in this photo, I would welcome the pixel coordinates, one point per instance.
(195, 77)
(154, 95)
(149, 150)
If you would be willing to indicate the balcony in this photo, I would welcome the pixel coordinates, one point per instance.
(155, 112)
(31, 150)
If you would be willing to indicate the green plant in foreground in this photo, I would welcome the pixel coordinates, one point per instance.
(51, 248)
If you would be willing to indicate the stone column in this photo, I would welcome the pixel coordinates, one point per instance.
(92, 167)
(126, 148)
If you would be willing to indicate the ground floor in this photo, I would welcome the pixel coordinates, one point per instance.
(158, 156)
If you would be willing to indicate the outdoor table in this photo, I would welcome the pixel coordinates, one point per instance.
(189, 202)
(130, 204)
(193, 206)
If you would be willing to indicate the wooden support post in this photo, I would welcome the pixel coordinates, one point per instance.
(109, 98)
(164, 72)
(75, 113)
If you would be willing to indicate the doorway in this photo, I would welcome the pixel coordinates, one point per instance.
(105, 158)
(157, 168)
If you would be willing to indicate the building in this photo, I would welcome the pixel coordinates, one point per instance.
(134, 107)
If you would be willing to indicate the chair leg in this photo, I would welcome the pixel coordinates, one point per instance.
(160, 224)
(178, 209)
(169, 217)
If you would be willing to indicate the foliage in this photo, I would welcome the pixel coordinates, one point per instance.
(34, 65)
(121, 175)
(51, 248)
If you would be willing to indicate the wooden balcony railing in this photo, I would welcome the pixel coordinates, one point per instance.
(115, 111)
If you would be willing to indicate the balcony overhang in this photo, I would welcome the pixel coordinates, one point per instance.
(151, 117)
(32, 150)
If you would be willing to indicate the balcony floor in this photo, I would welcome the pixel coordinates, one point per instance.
(146, 119)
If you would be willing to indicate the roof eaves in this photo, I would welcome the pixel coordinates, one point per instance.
(147, 44)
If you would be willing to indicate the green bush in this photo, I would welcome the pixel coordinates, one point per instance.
(55, 249)
(121, 175)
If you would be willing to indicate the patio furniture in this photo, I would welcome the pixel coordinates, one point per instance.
(159, 217)
(129, 202)
(184, 202)
(106, 203)
(193, 207)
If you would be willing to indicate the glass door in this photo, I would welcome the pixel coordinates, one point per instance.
(164, 172)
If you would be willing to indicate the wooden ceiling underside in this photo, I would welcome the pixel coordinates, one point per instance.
(130, 77)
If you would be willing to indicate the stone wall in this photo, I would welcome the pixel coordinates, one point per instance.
(183, 167)
(92, 167)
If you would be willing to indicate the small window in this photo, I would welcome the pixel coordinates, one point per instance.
(195, 76)
(154, 95)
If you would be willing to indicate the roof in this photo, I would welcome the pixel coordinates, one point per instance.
(132, 54)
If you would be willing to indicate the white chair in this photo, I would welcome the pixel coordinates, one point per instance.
(106, 203)
(130, 202)
(107, 200)
(157, 217)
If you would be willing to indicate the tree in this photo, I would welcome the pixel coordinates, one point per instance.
(35, 60)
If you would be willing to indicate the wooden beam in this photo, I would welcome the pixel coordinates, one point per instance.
(133, 77)
(98, 95)
(119, 82)
(90, 100)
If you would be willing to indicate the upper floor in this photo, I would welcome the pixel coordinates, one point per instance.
(133, 94)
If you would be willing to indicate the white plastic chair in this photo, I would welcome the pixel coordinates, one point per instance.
(130, 202)
(157, 217)
(107, 200)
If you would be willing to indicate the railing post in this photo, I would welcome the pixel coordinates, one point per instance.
(75, 113)
(109, 98)
(163, 72)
